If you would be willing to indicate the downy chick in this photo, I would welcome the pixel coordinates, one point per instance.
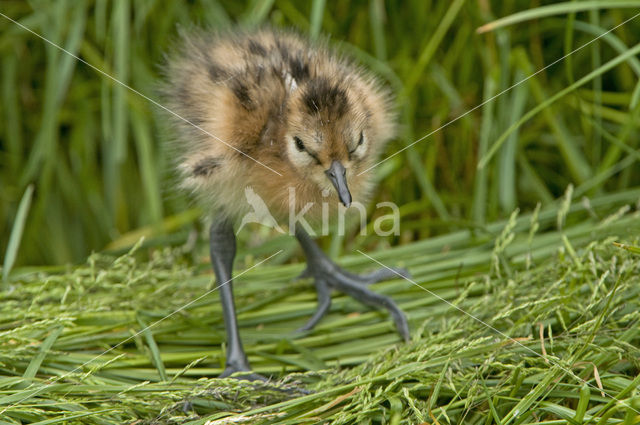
(269, 111)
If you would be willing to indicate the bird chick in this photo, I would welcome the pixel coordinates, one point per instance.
(270, 111)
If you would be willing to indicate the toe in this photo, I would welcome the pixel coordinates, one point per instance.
(324, 303)
(386, 273)
(401, 322)
(315, 319)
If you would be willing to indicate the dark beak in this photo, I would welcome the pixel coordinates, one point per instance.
(337, 175)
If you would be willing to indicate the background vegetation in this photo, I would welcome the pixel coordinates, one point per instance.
(523, 242)
(92, 148)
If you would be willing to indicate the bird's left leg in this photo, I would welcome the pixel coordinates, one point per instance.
(328, 275)
(222, 244)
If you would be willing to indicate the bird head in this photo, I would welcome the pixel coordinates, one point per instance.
(329, 134)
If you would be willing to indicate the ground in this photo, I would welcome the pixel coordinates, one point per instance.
(530, 320)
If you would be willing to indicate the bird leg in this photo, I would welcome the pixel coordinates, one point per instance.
(328, 275)
(222, 245)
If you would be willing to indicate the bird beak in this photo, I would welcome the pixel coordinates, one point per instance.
(337, 174)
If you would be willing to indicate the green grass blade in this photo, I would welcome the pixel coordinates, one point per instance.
(317, 13)
(611, 38)
(507, 162)
(256, 12)
(635, 97)
(481, 180)
(155, 352)
(12, 113)
(121, 66)
(66, 418)
(377, 18)
(16, 233)
(431, 46)
(148, 171)
(556, 9)
(44, 349)
(583, 403)
(630, 248)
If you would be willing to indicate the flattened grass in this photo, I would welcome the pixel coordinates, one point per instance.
(92, 149)
(544, 330)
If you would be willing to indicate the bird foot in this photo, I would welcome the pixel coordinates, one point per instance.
(237, 367)
(241, 373)
(327, 275)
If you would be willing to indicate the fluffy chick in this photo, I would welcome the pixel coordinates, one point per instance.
(281, 106)
(263, 113)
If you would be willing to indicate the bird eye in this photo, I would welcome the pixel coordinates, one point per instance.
(360, 142)
(301, 148)
(299, 143)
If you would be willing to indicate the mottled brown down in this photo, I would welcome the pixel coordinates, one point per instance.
(268, 93)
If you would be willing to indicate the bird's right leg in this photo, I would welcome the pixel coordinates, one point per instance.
(328, 275)
(222, 245)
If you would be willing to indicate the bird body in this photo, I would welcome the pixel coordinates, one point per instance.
(272, 111)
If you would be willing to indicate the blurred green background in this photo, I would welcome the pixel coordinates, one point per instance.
(91, 148)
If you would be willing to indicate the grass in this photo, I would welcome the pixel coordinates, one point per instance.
(530, 320)
(92, 149)
(519, 207)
